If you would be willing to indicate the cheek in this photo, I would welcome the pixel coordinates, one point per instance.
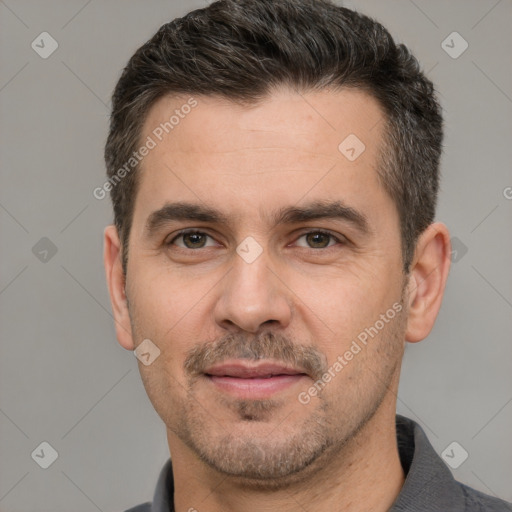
(345, 300)
(173, 313)
(357, 338)
(160, 300)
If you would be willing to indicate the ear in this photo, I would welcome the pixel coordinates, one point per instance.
(427, 280)
(116, 287)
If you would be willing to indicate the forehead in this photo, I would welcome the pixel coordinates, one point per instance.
(208, 149)
(310, 122)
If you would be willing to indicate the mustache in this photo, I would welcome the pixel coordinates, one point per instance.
(267, 345)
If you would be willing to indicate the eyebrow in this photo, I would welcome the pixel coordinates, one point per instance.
(183, 211)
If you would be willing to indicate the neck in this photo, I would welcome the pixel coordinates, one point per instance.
(350, 480)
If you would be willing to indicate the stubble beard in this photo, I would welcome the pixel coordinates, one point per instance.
(291, 452)
(272, 461)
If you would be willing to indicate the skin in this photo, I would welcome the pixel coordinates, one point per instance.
(315, 294)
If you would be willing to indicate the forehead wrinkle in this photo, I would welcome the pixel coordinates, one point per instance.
(189, 150)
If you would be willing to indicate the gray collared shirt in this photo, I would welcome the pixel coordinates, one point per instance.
(429, 485)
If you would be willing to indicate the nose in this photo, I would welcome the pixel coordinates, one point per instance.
(253, 295)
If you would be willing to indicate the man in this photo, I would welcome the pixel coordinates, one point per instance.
(273, 167)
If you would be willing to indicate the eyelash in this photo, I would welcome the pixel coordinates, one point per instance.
(316, 231)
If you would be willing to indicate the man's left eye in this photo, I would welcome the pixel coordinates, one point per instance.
(319, 239)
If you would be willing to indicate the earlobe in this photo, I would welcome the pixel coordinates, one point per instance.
(116, 287)
(427, 280)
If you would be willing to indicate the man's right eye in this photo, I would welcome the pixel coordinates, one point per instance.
(190, 239)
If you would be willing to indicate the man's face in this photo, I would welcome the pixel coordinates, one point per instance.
(251, 309)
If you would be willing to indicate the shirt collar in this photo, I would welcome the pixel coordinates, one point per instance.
(163, 499)
(429, 484)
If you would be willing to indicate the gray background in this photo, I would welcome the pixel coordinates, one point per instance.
(63, 377)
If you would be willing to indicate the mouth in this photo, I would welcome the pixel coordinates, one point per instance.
(255, 381)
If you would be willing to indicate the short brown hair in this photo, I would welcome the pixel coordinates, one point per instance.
(241, 49)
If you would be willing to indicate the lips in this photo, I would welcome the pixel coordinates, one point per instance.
(256, 381)
(245, 371)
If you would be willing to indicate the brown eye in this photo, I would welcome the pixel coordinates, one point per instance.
(318, 240)
(190, 240)
(193, 240)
